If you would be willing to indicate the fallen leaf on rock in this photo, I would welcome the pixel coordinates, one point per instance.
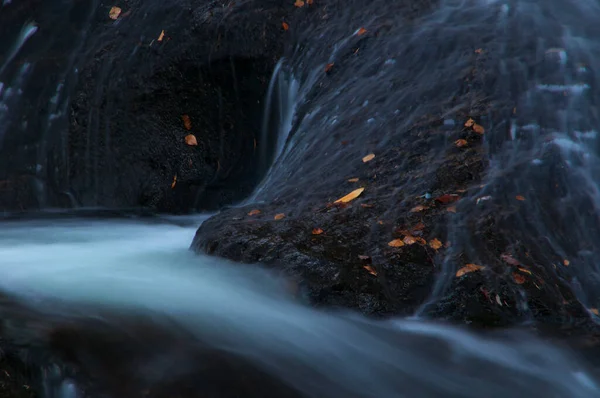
(317, 231)
(451, 209)
(368, 158)
(525, 270)
(396, 243)
(435, 244)
(309, 2)
(518, 278)
(366, 205)
(409, 240)
(174, 181)
(279, 216)
(161, 36)
(469, 122)
(478, 128)
(371, 270)
(114, 13)
(299, 3)
(421, 241)
(353, 180)
(187, 122)
(190, 139)
(361, 32)
(447, 198)
(507, 258)
(351, 196)
(285, 26)
(566, 262)
(460, 143)
(418, 208)
(467, 269)
(519, 197)
(419, 227)
(362, 257)
(254, 212)
(328, 67)
(594, 311)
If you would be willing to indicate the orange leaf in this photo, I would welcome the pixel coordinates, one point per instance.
(435, 244)
(299, 3)
(469, 122)
(447, 198)
(460, 143)
(309, 2)
(409, 240)
(254, 212)
(421, 241)
(418, 208)
(174, 181)
(187, 122)
(285, 26)
(361, 32)
(279, 216)
(317, 231)
(518, 278)
(328, 67)
(396, 243)
(161, 36)
(368, 158)
(566, 262)
(594, 311)
(467, 269)
(353, 180)
(519, 197)
(419, 227)
(351, 196)
(451, 209)
(371, 270)
(478, 128)
(190, 139)
(114, 13)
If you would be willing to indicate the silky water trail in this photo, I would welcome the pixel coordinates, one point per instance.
(79, 269)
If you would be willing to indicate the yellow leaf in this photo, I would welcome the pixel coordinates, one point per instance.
(525, 270)
(469, 122)
(368, 158)
(478, 128)
(161, 36)
(254, 212)
(351, 196)
(519, 197)
(353, 180)
(114, 13)
(460, 143)
(299, 3)
(435, 243)
(371, 270)
(187, 122)
(190, 139)
(418, 208)
(396, 243)
(468, 268)
(279, 216)
(174, 181)
(317, 231)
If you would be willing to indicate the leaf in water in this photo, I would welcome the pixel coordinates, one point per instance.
(190, 139)
(447, 198)
(328, 67)
(467, 269)
(451, 209)
(469, 122)
(187, 122)
(368, 158)
(460, 143)
(285, 26)
(254, 212)
(353, 180)
(435, 244)
(351, 196)
(279, 216)
(418, 208)
(371, 270)
(114, 13)
(478, 128)
(161, 36)
(361, 32)
(317, 231)
(174, 181)
(396, 243)
(299, 3)
(519, 197)
(409, 240)
(507, 258)
(518, 278)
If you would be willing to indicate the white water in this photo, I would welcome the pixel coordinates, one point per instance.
(146, 268)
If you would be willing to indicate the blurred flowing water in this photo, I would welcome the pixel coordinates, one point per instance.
(546, 150)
